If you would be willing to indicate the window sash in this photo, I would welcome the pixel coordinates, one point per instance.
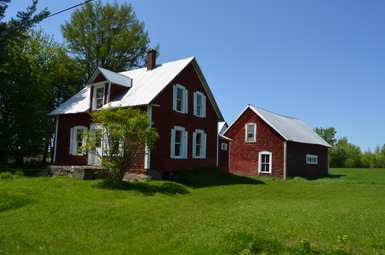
(99, 94)
(312, 159)
(178, 145)
(265, 161)
(199, 104)
(251, 132)
(180, 99)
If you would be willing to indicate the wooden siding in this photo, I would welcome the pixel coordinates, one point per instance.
(165, 118)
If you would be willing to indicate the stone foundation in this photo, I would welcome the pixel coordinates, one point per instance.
(95, 172)
(81, 172)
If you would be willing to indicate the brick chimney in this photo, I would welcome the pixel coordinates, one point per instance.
(151, 57)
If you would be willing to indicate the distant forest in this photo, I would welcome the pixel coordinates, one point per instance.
(347, 155)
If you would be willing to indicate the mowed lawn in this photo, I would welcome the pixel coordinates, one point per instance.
(207, 214)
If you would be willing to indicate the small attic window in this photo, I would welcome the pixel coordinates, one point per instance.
(98, 97)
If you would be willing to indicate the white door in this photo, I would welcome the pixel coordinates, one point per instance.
(94, 156)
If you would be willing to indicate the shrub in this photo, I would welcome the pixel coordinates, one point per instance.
(6, 176)
(19, 173)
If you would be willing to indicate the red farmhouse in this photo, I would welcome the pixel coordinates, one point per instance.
(178, 100)
(272, 145)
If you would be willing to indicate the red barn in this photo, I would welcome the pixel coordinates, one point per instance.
(178, 100)
(271, 145)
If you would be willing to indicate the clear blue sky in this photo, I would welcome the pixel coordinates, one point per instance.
(320, 61)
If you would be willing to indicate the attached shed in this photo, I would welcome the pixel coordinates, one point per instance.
(273, 145)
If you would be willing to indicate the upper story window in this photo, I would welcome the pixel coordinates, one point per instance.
(180, 102)
(199, 144)
(98, 97)
(224, 146)
(250, 132)
(178, 147)
(311, 159)
(199, 104)
(265, 159)
(76, 140)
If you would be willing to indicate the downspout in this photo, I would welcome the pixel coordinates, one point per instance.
(284, 159)
(147, 155)
(109, 92)
(57, 125)
(217, 146)
(229, 156)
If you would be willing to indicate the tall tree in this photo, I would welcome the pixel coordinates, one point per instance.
(327, 134)
(108, 36)
(11, 32)
(32, 80)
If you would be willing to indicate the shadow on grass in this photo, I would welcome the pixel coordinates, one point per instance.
(28, 171)
(149, 188)
(330, 176)
(8, 202)
(207, 177)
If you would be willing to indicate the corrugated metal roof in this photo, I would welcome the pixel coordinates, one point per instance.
(115, 77)
(290, 129)
(76, 104)
(146, 85)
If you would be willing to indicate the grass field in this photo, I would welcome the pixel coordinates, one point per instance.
(204, 213)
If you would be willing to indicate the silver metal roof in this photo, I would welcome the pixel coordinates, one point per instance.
(112, 77)
(290, 129)
(146, 85)
(76, 104)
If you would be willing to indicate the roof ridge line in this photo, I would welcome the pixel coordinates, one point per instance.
(274, 112)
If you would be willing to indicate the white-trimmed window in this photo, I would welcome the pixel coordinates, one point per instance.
(76, 140)
(98, 97)
(199, 104)
(180, 99)
(224, 146)
(311, 159)
(178, 142)
(199, 144)
(250, 132)
(265, 159)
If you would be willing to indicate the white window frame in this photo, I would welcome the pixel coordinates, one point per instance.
(94, 98)
(202, 106)
(224, 146)
(74, 148)
(203, 143)
(311, 159)
(260, 162)
(184, 106)
(184, 143)
(254, 131)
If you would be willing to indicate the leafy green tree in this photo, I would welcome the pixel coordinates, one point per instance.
(33, 79)
(11, 32)
(108, 36)
(125, 135)
(327, 134)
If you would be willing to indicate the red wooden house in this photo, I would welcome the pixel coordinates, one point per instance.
(178, 100)
(272, 145)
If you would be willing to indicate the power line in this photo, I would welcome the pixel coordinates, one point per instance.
(69, 8)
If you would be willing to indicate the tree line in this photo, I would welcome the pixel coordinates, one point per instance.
(37, 74)
(347, 155)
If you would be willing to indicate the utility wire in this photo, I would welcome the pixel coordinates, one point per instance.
(87, 1)
(69, 8)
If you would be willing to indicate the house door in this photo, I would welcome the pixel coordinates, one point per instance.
(94, 156)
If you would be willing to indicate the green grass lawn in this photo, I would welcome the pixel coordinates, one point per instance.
(205, 213)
